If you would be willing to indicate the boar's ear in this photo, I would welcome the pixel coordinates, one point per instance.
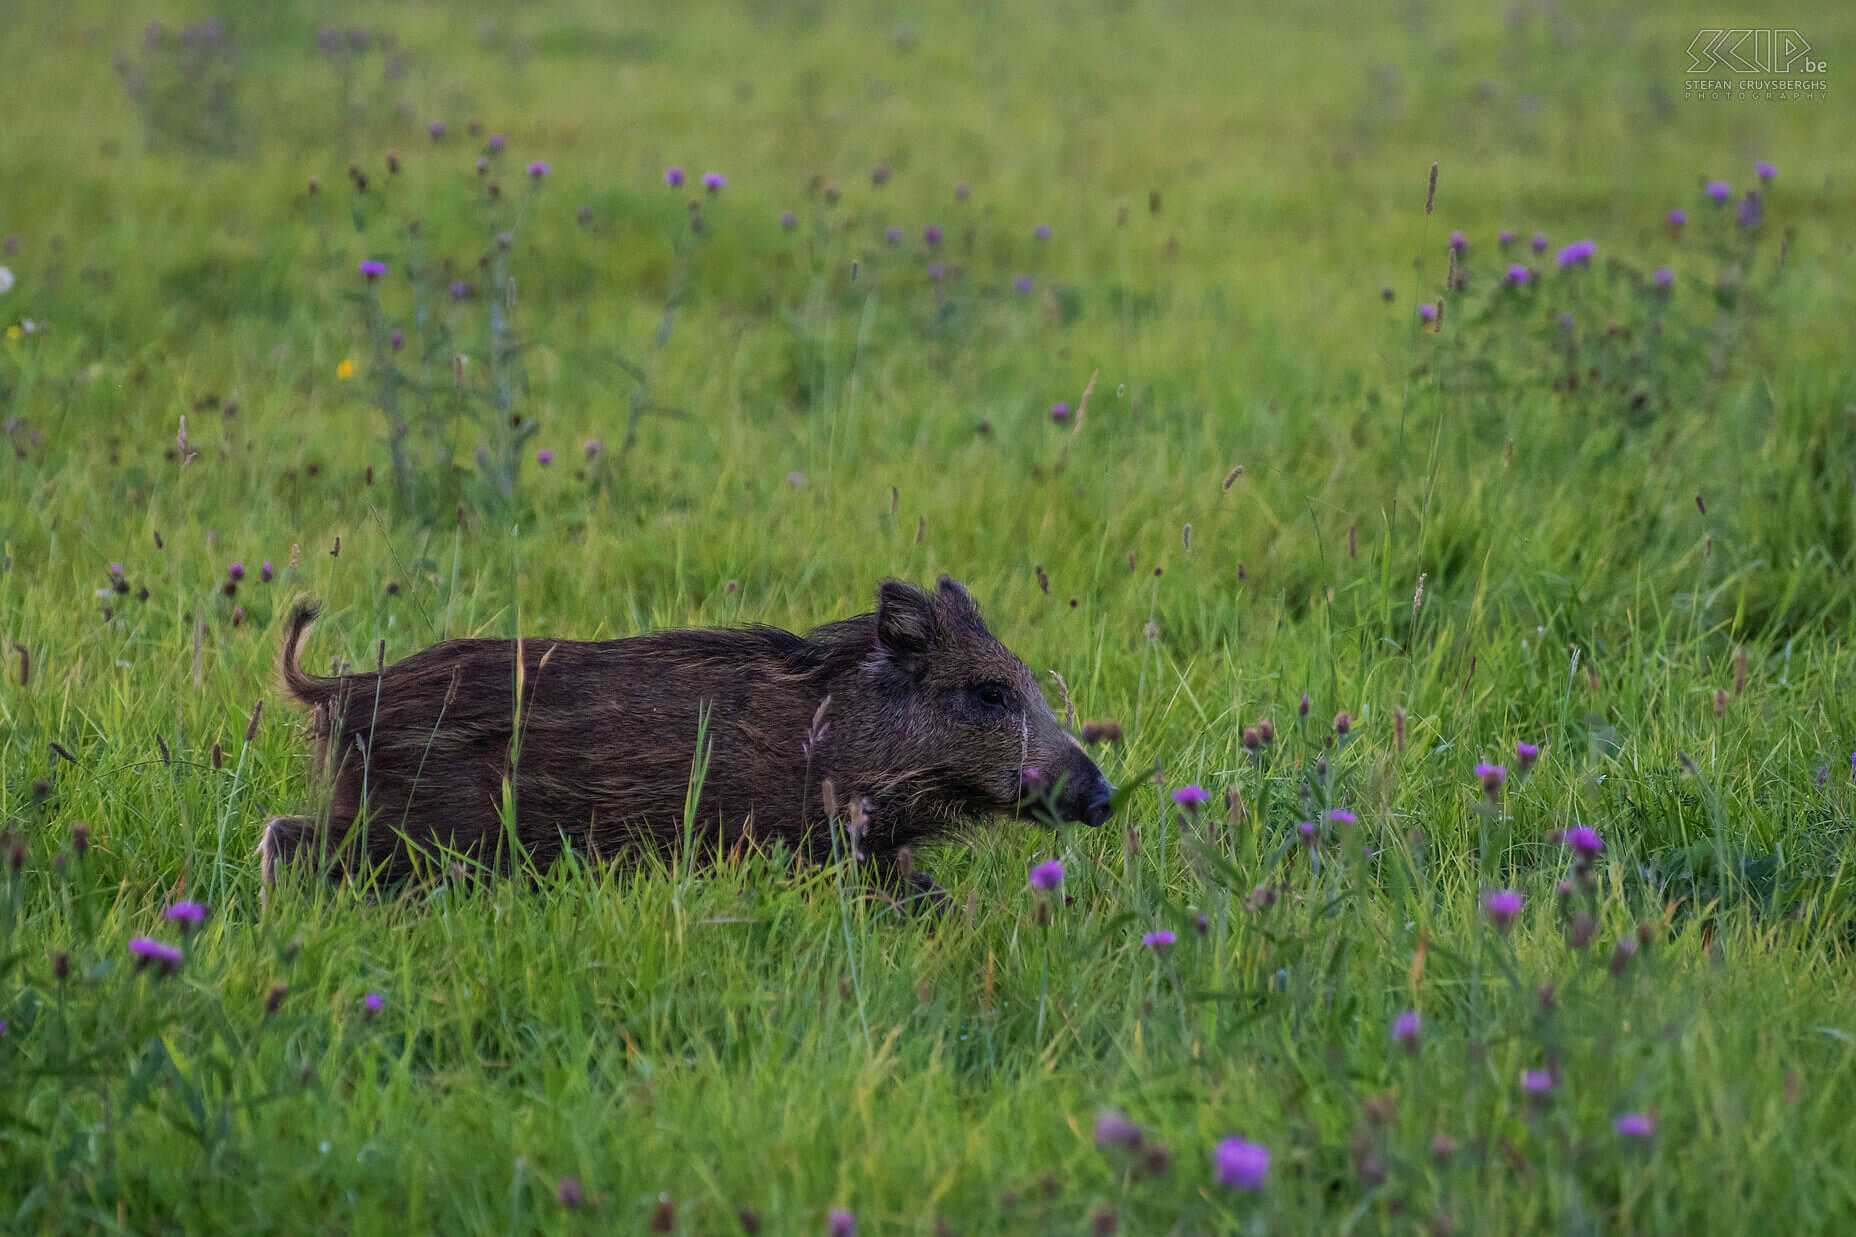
(906, 627)
(955, 597)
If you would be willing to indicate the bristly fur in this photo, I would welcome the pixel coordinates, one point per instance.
(597, 751)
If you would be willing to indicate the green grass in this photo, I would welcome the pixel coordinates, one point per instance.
(685, 1044)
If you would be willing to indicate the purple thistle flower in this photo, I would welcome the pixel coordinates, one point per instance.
(1764, 170)
(593, 447)
(436, 129)
(1030, 778)
(1719, 190)
(1576, 253)
(1341, 816)
(931, 235)
(713, 181)
(193, 914)
(893, 235)
(1192, 798)
(1566, 321)
(960, 193)
(397, 340)
(2, 1028)
(372, 269)
(1159, 941)
(1241, 1165)
(149, 951)
(1023, 283)
(1525, 754)
(1539, 242)
(265, 571)
(1853, 764)
(539, 168)
(1634, 1125)
(1517, 275)
(1584, 840)
(673, 177)
(371, 1004)
(1308, 829)
(840, 1223)
(937, 270)
(879, 175)
(1504, 238)
(1677, 217)
(235, 572)
(1750, 212)
(1662, 277)
(459, 289)
(1503, 905)
(1042, 231)
(1059, 411)
(1047, 876)
(1536, 1081)
(1428, 312)
(1491, 777)
(568, 1192)
(483, 165)
(1405, 1030)
(1458, 242)
(1113, 1129)
(544, 457)
(788, 220)
(496, 141)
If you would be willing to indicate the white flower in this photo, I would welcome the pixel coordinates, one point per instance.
(6, 280)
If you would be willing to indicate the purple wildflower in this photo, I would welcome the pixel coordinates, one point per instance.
(1159, 941)
(1719, 190)
(840, 1223)
(496, 141)
(1405, 1030)
(960, 193)
(1525, 754)
(1503, 905)
(1536, 1081)
(1764, 170)
(266, 571)
(713, 181)
(1113, 1129)
(788, 220)
(373, 270)
(1539, 242)
(1634, 1125)
(879, 175)
(459, 289)
(1517, 274)
(436, 129)
(893, 235)
(1750, 212)
(1504, 238)
(1047, 875)
(235, 572)
(544, 457)
(1042, 231)
(149, 951)
(371, 1005)
(1458, 242)
(397, 340)
(1662, 277)
(1576, 253)
(931, 235)
(1192, 798)
(193, 914)
(1566, 321)
(539, 168)
(568, 1192)
(1059, 411)
(937, 270)
(673, 177)
(1428, 312)
(1341, 816)
(1584, 840)
(593, 447)
(1241, 1165)
(1024, 283)
(1677, 217)
(1307, 829)
(1491, 777)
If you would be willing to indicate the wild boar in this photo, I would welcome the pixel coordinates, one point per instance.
(903, 725)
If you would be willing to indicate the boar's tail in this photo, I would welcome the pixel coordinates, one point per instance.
(308, 689)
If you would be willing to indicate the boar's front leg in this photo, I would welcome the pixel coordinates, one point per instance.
(896, 874)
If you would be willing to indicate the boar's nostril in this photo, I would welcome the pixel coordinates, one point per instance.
(1096, 811)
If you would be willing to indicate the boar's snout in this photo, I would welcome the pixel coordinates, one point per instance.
(1087, 796)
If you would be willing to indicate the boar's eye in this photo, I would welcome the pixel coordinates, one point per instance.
(991, 696)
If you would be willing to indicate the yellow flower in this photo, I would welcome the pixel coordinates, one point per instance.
(13, 332)
(345, 369)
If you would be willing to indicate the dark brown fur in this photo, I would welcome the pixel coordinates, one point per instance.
(930, 723)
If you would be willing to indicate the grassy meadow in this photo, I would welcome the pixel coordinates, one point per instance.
(1145, 320)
